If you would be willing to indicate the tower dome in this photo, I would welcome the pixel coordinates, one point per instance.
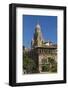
(38, 26)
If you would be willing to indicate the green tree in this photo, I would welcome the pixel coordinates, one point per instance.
(45, 68)
(28, 64)
(53, 64)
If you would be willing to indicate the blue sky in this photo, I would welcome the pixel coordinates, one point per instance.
(48, 28)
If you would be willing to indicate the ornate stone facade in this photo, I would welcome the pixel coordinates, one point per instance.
(42, 51)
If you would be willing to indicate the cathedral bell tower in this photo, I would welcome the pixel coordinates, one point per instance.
(37, 39)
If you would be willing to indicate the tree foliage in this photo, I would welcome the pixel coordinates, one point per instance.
(50, 66)
(28, 64)
(53, 64)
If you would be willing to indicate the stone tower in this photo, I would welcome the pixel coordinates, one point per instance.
(37, 39)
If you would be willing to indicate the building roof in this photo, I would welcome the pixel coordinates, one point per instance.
(48, 46)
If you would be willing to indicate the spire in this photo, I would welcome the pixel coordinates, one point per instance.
(37, 36)
(37, 29)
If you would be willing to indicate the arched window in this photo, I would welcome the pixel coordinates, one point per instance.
(45, 65)
(44, 61)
